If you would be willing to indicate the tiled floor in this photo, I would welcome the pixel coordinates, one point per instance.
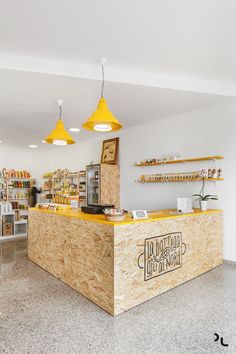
(39, 314)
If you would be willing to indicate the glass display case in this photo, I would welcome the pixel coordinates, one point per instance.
(93, 184)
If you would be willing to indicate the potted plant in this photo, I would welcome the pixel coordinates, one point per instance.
(203, 198)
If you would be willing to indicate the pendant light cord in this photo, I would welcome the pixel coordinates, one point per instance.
(103, 80)
(60, 111)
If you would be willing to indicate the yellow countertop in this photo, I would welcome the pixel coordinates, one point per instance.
(99, 218)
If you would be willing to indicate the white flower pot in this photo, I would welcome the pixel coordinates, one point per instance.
(203, 205)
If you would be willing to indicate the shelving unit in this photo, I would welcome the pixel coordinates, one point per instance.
(18, 228)
(15, 189)
(20, 195)
(168, 162)
(66, 186)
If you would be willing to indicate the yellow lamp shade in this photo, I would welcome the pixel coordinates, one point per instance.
(102, 119)
(59, 136)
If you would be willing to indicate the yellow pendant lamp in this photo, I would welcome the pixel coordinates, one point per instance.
(102, 120)
(59, 135)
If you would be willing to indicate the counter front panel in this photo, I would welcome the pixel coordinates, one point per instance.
(151, 258)
(78, 252)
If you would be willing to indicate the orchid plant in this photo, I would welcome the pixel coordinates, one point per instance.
(202, 196)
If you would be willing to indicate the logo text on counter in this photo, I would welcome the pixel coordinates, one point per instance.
(162, 254)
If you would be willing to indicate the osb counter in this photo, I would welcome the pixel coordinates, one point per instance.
(120, 265)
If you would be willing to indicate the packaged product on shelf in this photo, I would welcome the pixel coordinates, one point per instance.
(219, 173)
(214, 173)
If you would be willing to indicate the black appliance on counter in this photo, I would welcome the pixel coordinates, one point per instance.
(95, 208)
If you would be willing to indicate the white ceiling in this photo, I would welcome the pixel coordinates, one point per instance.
(28, 108)
(186, 37)
(164, 57)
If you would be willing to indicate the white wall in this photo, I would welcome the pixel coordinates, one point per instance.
(210, 131)
(23, 159)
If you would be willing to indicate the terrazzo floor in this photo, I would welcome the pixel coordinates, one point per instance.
(39, 314)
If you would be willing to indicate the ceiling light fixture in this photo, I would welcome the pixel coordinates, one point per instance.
(0, 141)
(102, 120)
(74, 130)
(59, 136)
(33, 146)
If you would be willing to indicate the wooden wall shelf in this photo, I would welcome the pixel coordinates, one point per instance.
(194, 159)
(184, 180)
